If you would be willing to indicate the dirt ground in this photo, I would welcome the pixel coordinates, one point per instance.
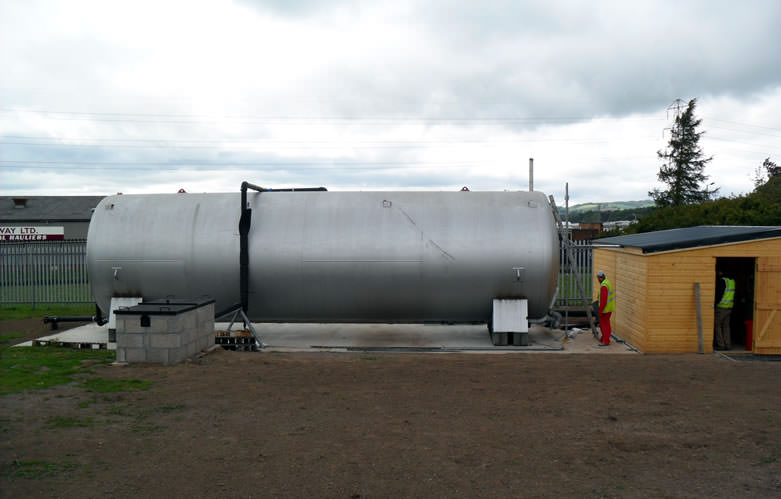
(243, 424)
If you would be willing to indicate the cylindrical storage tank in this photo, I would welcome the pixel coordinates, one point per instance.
(331, 256)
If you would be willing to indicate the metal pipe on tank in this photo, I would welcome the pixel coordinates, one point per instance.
(244, 225)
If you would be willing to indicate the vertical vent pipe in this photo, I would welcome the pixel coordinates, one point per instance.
(244, 224)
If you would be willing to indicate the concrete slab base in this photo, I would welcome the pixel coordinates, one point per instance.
(378, 337)
(396, 337)
(87, 336)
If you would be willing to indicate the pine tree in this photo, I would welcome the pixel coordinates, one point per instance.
(683, 164)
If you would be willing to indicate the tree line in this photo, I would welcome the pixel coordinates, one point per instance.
(688, 199)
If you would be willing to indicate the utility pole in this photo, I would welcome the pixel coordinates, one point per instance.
(676, 106)
(567, 244)
(566, 205)
(531, 174)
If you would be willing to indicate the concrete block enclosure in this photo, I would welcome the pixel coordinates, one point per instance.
(164, 331)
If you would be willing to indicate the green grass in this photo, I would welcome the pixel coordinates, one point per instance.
(35, 368)
(34, 469)
(116, 385)
(8, 312)
(69, 422)
(47, 293)
(568, 285)
(5, 338)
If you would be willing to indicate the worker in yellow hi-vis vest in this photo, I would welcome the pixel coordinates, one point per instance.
(607, 303)
(725, 296)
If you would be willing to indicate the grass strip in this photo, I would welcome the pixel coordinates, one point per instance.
(34, 469)
(69, 422)
(9, 312)
(5, 338)
(36, 368)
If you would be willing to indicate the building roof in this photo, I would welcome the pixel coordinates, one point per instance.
(25, 209)
(691, 237)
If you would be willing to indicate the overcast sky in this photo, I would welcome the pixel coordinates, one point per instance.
(99, 97)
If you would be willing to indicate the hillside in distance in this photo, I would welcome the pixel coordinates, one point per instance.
(609, 211)
(609, 206)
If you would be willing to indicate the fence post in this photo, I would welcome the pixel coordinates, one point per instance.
(31, 272)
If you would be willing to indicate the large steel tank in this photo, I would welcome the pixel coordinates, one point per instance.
(331, 256)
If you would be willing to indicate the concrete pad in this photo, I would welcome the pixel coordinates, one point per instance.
(582, 341)
(381, 337)
(390, 337)
(88, 336)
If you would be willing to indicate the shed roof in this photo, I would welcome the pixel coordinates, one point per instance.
(691, 237)
(17, 209)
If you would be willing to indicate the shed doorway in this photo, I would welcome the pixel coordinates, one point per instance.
(741, 319)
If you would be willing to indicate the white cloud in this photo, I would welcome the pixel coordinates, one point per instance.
(99, 97)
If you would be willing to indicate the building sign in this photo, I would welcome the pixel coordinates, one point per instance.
(30, 233)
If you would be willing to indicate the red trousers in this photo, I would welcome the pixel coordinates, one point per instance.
(604, 326)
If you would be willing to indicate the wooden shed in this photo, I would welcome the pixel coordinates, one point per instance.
(654, 276)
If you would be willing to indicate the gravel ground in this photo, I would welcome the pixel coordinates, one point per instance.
(326, 424)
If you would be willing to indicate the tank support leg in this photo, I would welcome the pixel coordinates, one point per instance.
(519, 339)
(499, 339)
(238, 313)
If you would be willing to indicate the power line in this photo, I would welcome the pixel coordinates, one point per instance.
(743, 124)
(192, 144)
(323, 165)
(281, 165)
(166, 141)
(261, 119)
(752, 132)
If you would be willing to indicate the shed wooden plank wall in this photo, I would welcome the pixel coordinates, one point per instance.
(655, 303)
(624, 271)
(630, 322)
(621, 268)
(672, 314)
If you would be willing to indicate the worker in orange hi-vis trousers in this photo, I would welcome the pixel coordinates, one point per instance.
(607, 303)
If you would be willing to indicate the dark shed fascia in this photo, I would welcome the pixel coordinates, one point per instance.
(690, 237)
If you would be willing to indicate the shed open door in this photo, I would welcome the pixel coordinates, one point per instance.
(767, 306)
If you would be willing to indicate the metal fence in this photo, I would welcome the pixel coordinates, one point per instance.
(56, 272)
(44, 272)
(569, 293)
